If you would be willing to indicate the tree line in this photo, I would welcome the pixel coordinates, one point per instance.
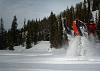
(48, 29)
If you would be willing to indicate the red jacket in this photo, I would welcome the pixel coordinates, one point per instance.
(91, 27)
(75, 29)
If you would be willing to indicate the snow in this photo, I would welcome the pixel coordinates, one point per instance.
(84, 46)
(81, 55)
(41, 47)
(73, 47)
(94, 14)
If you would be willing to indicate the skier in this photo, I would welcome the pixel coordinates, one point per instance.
(80, 30)
(79, 27)
(91, 28)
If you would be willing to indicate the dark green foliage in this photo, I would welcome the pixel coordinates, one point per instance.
(14, 32)
(29, 35)
(28, 40)
(60, 31)
(44, 29)
(35, 32)
(23, 34)
(54, 35)
(9, 40)
(2, 35)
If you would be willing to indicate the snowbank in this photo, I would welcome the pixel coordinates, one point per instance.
(41, 47)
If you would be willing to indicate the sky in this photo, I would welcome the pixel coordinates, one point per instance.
(31, 9)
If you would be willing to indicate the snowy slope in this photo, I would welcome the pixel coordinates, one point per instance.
(41, 58)
(41, 47)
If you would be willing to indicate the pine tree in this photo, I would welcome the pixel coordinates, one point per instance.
(13, 34)
(44, 29)
(2, 35)
(14, 30)
(53, 31)
(9, 40)
(71, 17)
(40, 37)
(23, 33)
(35, 32)
(28, 37)
(28, 40)
(79, 11)
(60, 31)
